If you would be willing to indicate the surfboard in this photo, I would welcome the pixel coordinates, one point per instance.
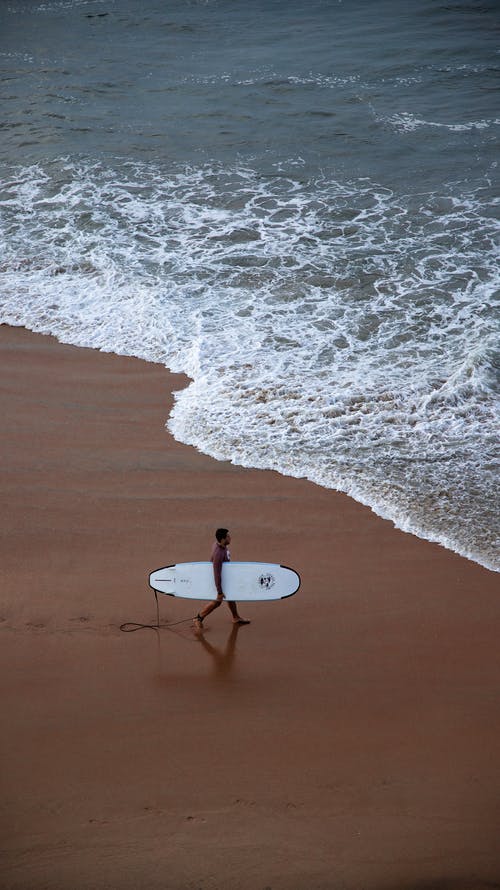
(241, 581)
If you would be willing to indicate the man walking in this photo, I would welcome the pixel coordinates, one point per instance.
(220, 555)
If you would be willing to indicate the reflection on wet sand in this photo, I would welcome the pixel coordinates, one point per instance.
(223, 658)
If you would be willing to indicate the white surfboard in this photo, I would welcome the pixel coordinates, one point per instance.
(241, 581)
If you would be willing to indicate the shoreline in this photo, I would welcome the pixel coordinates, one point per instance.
(347, 738)
(183, 380)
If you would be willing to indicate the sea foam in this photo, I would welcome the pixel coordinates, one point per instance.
(332, 330)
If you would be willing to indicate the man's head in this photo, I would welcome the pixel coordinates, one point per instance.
(222, 536)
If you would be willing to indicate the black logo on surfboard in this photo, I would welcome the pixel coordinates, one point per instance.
(266, 582)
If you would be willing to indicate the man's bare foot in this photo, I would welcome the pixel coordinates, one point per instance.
(198, 624)
(241, 621)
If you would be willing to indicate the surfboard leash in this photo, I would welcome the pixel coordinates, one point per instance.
(130, 626)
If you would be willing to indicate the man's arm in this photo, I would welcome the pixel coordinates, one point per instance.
(217, 560)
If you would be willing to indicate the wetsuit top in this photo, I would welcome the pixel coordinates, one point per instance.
(219, 555)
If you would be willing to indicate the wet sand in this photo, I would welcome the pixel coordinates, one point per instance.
(348, 738)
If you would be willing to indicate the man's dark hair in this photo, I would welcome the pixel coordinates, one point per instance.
(221, 533)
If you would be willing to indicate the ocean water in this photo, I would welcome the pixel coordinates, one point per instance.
(294, 203)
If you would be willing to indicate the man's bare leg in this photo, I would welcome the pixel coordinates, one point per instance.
(234, 612)
(198, 621)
